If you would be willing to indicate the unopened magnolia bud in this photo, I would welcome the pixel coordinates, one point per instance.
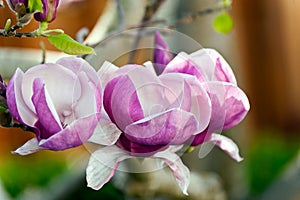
(20, 7)
(49, 11)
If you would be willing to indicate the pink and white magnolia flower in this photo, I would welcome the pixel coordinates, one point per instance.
(61, 102)
(147, 116)
(229, 103)
(154, 111)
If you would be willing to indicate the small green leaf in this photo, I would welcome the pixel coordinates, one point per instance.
(2, 108)
(226, 2)
(35, 5)
(7, 24)
(223, 23)
(66, 44)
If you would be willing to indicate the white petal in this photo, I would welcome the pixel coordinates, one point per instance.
(149, 89)
(60, 83)
(226, 145)
(106, 133)
(78, 65)
(207, 59)
(17, 102)
(149, 65)
(87, 103)
(105, 72)
(31, 146)
(102, 165)
(179, 170)
(200, 101)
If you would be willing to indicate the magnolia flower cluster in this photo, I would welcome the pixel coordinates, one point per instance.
(149, 111)
(24, 11)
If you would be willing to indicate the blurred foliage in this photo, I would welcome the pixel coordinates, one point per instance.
(267, 158)
(223, 23)
(107, 192)
(22, 172)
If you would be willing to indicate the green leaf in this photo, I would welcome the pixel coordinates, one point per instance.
(2, 108)
(7, 24)
(226, 2)
(66, 44)
(223, 23)
(35, 5)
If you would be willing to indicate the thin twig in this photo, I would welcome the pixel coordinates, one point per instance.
(121, 15)
(191, 17)
(150, 10)
(15, 27)
(182, 21)
(11, 33)
(42, 45)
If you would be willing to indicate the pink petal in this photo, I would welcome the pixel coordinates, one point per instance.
(171, 127)
(183, 63)
(148, 87)
(121, 101)
(162, 54)
(137, 149)
(106, 71)
(16, 104)
(48, 120)
(72, 135)
(230, 105)
(102, 165)
(192, 92)
(90, 100)
(213, 64)
(226, 145)
(78, 65)
(177, 91)
(199, 138)
(237, 106)
(31, 146)
(109, 71)
(179, 170)
(60, 83)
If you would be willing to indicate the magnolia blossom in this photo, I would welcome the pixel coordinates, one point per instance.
(154, 111)
(49, 11)
(61, 102)
(147, 115)
(229, 103)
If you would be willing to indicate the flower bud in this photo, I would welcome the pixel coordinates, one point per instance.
(20, 7)
(49, 11)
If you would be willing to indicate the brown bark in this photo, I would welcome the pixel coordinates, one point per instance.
(268, 40)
